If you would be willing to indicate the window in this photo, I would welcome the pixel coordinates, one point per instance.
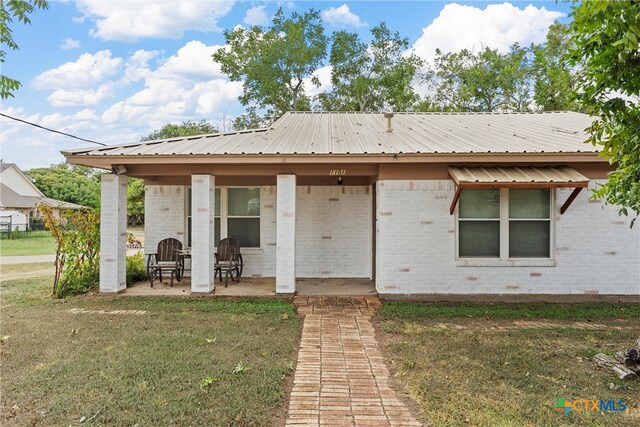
(507, 223)
(237, 215)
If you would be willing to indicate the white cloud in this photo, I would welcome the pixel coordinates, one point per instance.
(131, 20)
(342, 16)
(498, 26)
(256, 16)
(80, 97)
(85, 73)
(137, 66)
(69, 44)
(192, 60)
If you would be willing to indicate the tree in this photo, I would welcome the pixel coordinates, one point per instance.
(371, 77)
(135, 200)
(19, 10)
(554, 77)
(273, 64)
(483, 81)
(186, 128)
(74, 184)
(605, 38)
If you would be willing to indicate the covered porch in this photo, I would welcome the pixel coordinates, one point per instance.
(260, 287)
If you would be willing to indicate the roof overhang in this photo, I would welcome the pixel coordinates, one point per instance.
(517, 177)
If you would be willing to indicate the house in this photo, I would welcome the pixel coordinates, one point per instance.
(421, 203)
(18, 193)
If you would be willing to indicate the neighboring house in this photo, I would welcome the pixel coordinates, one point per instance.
(18, 193)
(422, 203)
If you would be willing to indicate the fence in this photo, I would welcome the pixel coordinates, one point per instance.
(8, 226)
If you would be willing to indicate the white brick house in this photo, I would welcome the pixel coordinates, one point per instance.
(424, 203)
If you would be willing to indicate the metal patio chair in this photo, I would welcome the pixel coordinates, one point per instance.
(228, 260)
(166, 259)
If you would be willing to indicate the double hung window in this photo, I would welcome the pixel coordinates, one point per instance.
(507, 223)
(237, 215)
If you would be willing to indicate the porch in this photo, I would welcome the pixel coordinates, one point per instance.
(260, 287)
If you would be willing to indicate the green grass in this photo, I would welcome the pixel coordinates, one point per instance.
(471, 365)
(173, 365)
(584, 311)
(35, 243)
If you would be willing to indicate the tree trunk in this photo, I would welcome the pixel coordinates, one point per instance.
(623, 357)
(621, 371)
(634, 352)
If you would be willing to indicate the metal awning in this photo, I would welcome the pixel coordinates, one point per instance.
(517, 177)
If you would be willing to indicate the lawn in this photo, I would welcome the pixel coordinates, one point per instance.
(36, 243)
(508, 364)
(100, 361)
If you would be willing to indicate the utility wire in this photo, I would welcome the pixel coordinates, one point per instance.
(52, 130)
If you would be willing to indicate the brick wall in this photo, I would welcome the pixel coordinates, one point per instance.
(164, 214)
(334, 231)
(595, 251)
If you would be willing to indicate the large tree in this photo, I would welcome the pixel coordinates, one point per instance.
(74, 184)
(20, 11)
(186, 128)
(555, 78)
(606, 37)
(371, 77)
(273, 64)
(483, 81)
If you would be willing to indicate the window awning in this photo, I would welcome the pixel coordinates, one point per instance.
(517, 177)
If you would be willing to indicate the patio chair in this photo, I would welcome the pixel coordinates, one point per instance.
(166, 259)
(228, 260)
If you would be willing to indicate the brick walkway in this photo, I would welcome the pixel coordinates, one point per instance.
(341, 378)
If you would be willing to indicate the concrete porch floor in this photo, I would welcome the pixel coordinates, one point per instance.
(259, 287)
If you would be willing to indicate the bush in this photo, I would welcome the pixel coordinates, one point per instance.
(72, 284)
(24, 235)
(135, 269)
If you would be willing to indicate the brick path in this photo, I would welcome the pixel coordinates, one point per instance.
(341, 378)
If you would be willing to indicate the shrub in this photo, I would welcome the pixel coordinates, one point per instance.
(135, 269)
(77, 251)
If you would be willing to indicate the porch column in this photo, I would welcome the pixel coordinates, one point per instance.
(113, 233)
(202, 233)
(286, 234)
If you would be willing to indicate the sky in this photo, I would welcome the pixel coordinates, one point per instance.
(114, 71)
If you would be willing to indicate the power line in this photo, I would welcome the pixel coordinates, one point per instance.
(52, 130)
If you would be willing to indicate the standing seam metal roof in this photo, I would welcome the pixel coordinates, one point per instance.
(315, 133)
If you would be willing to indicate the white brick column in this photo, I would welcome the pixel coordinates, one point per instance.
(113, 233)
(202, 233)
(286, 235)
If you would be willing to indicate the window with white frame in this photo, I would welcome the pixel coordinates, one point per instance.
(237, 215)
(507, 223)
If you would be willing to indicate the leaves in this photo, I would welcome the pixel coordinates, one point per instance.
(605, 41)
(241, 368)
(19, 10)
(186, 128)
(483, 81)
(273, 64)
(74, 184)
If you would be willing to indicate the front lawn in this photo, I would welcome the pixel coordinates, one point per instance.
(99, 361)
(32, 243)
(508, 364)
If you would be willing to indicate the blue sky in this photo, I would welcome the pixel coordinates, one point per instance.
(113, 71)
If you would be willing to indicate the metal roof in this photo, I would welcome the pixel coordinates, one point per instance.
(322, 133)
(495, 176)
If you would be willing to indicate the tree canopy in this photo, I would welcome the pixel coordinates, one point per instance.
(273, 64)
(605, 39)
(371, 77)
(20, 11)
(186, 128)
(74, 184)
(484, 81)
